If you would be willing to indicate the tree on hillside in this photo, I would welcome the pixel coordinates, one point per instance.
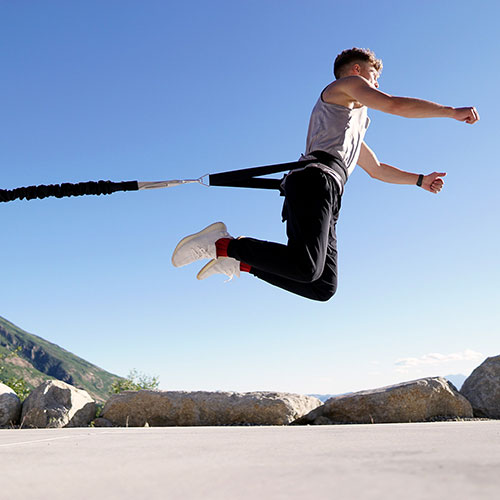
(17, 384)
(135, 381)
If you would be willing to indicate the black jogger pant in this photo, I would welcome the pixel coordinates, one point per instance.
(307, 265)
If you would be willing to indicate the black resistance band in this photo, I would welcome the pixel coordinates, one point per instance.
(246, 177)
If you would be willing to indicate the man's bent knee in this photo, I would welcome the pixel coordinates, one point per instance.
(326, 294)
(309, 273)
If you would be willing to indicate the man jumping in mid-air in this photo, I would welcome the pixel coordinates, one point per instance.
(307, 264)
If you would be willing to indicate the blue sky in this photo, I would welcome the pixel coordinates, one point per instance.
(153, 90)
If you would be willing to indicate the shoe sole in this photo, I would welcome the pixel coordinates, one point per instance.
(206, 267)
(215, 226)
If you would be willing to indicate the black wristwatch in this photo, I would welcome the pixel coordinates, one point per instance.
(420, 179)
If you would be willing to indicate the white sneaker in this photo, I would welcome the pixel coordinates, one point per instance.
(200, 245)
(223, 265)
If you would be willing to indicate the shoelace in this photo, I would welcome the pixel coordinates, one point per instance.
(229, 268)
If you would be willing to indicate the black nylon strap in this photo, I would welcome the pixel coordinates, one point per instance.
(66, 189)
(247, 177)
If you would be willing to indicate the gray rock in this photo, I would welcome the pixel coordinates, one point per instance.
(57, 404)
(482, 388)
(176, 408)
(10, 406)
(414, 401)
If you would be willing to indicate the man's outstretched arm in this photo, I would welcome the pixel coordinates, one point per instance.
(368, 161)
(360, 89)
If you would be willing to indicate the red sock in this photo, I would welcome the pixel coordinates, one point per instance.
(245, 267)
(221, 247)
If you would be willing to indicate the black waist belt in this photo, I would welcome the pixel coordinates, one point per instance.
(334, 162)
(248, 177)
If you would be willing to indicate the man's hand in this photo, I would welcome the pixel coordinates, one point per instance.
(467, 115)
(433, 182)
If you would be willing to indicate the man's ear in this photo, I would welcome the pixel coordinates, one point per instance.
(357, 68)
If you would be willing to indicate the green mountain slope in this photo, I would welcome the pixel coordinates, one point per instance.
(39, 360)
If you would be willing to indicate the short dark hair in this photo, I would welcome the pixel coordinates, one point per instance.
(353, 55)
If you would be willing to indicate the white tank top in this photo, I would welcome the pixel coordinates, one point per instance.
(337, 130)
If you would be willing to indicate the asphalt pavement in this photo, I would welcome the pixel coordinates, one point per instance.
(458, 460)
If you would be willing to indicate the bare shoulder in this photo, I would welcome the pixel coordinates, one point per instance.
(340, 91)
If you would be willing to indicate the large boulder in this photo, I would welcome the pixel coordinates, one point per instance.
(10, 406)
(414, 401)
(176, 408)
(57, 404)
(482, 388)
